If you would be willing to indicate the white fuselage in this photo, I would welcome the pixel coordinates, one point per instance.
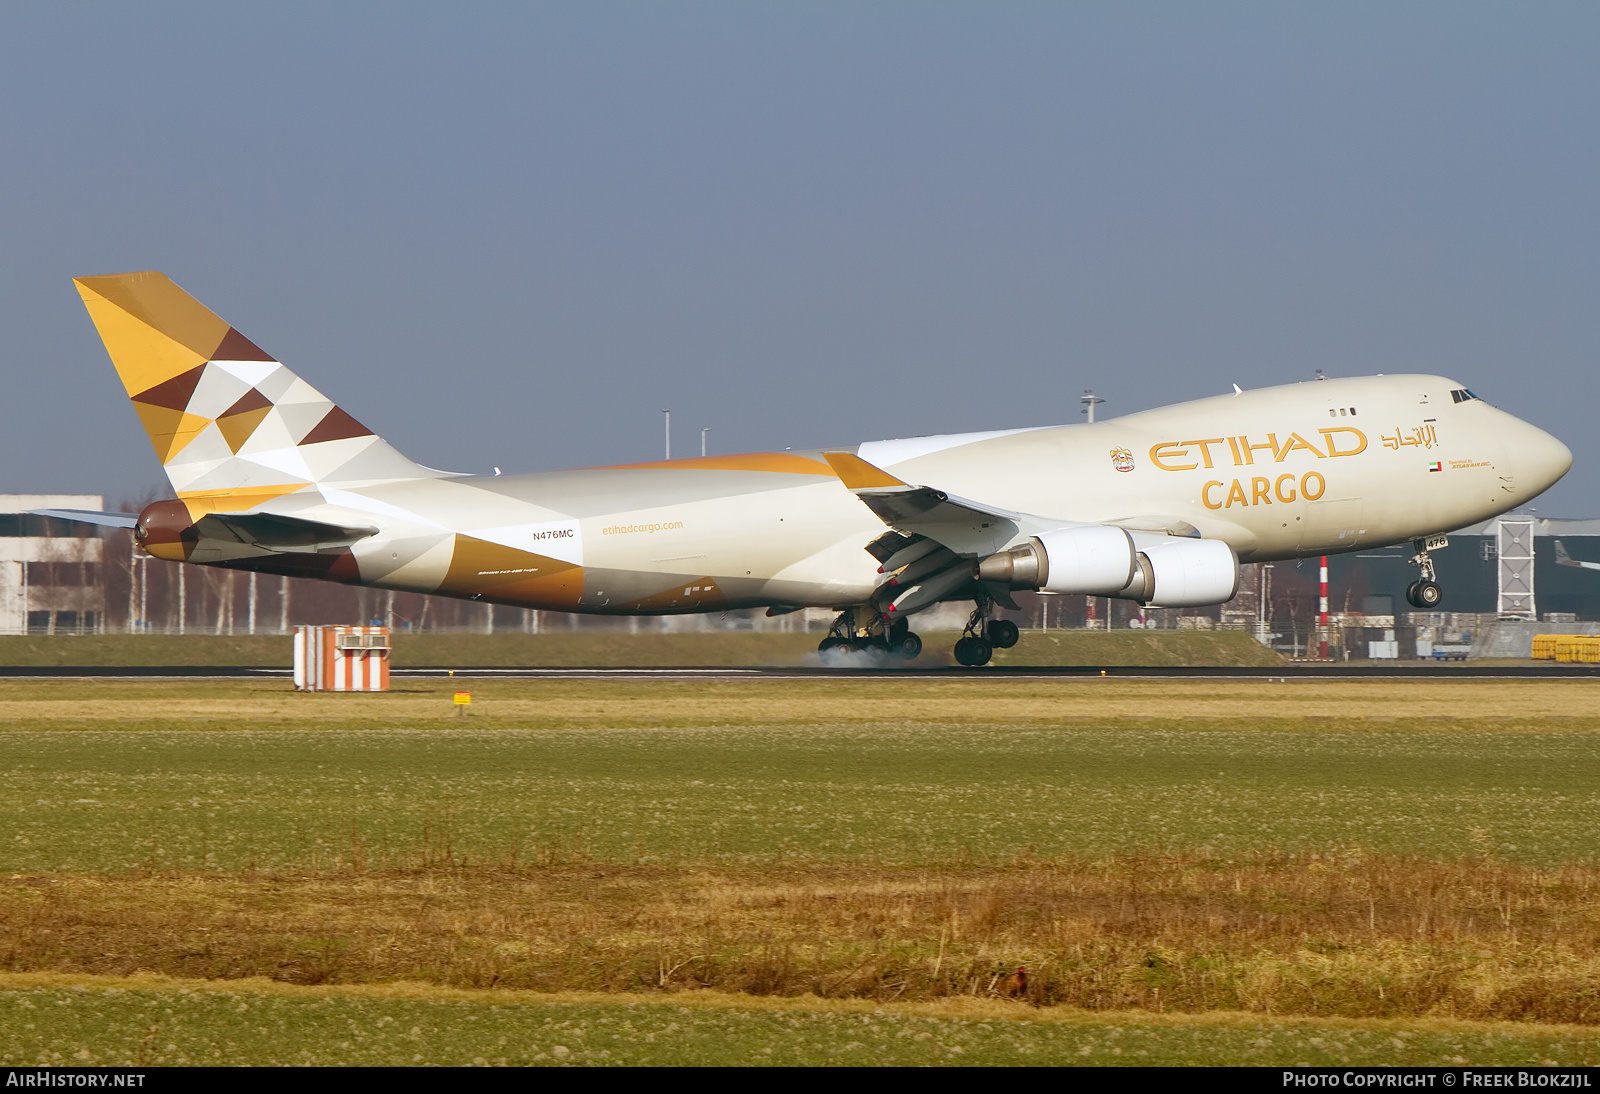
(1306, 469)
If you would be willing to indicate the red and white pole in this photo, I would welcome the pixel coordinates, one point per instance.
(1322, 617)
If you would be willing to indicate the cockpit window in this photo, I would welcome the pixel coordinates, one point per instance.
(1462, 395)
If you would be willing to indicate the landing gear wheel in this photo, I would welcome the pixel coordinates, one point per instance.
(1424, 594)
(832, 643)
(973, 651)
(906, 646)
(1002, 634)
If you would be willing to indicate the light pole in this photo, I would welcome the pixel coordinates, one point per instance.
(703, 431)
(667, 416)
(1263, 608)
(1090, 400)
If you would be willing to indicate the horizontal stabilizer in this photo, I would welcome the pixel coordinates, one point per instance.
(268, 531)
(272, 532)
(89, 516)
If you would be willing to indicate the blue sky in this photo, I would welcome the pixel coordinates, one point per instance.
(511, 234)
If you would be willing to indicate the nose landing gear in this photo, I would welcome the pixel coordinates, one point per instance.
(1425, 592)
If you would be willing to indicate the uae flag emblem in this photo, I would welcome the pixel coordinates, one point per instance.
(1436, 466)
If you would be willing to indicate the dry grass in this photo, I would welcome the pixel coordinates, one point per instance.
(1310, 935)
(1499, 705)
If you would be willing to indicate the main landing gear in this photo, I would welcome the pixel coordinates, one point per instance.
(865, 630)
(1425, 592)
(849, 635)
(982, 636)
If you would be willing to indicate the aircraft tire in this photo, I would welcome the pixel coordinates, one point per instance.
(831, 643)
(973, 652)
(906, 646)
(1002, 634)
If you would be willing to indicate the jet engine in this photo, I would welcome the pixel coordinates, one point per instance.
(1098, 560)
(1092, 560)
(1184, 573)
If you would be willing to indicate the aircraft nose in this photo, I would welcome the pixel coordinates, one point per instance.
(1539, 459)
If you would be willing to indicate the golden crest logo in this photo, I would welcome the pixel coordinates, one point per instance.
(1122, 459)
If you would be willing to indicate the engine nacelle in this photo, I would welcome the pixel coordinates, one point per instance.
(1094, 560)
(1185, 573)
(1097, 560)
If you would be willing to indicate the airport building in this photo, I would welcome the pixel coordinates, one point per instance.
(51, 571)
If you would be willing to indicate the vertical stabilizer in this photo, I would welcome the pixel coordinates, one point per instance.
(232, 427)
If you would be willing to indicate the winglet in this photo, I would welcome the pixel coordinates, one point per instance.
(857, 474)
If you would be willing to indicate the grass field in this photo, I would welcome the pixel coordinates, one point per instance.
(146, 1021)
(1335, 851)
(231, 775)
(607, 649)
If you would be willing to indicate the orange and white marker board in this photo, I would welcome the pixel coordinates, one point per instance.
(341, 658)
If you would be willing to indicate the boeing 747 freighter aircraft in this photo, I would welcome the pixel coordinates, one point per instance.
(1159, 507)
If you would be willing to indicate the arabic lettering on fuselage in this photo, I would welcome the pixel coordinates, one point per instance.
(1422, 436)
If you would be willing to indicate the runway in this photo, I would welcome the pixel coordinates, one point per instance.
(995, 672)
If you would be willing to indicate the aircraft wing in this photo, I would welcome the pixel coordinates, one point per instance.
(1168, 526)
(966, 527)
(1564, 559)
